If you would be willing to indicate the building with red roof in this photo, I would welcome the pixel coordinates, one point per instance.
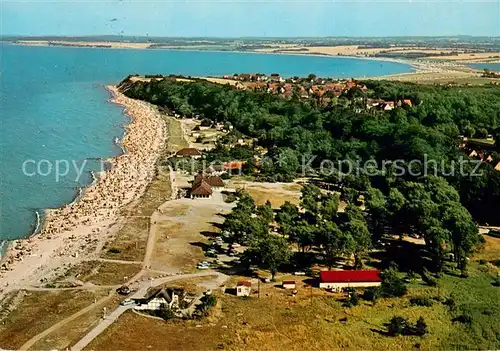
(243, 288)
(338, 280)
(189, 152)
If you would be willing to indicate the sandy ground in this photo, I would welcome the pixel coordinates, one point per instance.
(183, 225)
(71, 232)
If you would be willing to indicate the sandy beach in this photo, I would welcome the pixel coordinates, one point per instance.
(77, 229)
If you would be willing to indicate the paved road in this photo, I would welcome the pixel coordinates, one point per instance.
(105, 323)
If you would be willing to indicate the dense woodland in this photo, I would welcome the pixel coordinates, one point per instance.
(443, 208)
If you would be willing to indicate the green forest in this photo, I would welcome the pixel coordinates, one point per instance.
(444, 207)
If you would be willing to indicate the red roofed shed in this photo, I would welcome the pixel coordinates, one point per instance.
(338, 280)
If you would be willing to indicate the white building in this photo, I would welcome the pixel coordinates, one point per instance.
(243, 288)
(171, 297)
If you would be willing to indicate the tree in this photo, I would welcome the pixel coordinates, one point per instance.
(464, 233)
(287, 216)
(392, 284)
(266, 212)
(329, 207)
(303, 234)
(376, 204)
(333, 242)
(274, 252)
(310, 194)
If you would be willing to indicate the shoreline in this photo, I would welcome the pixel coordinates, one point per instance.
(416, 66)
(410, 62)
(72, 230)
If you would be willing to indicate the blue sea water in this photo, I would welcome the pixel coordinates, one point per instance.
(490, 66)
(54, 107)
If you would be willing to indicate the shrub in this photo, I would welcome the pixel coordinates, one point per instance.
(496, 281)
(371, 294)
(465, 318)
(114, 250)
(451, 303)
(397, 326)
(211, 301)
(482, 261)
(422, 301)
(428, 278)
(420, 327)
(165, 312)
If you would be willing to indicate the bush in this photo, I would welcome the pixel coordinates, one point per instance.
(428, 278)
(420, 327)
(114, 250)
(401, 326)
(210, 301)
(371, 294)
(451, 303)
(165, 312)
(397, 326)
(422, 301)
(496, 281)
(465, 318)
(482, 261)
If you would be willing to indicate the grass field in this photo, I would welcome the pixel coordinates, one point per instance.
(176, 140)
(70, 333)
(276, 193)
(102, 273)
(319, 321)
(40, 310)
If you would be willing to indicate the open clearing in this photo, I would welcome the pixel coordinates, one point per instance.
(102, 273)
(276, 193)
(183, 227)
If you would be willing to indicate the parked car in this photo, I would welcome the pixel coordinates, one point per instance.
(123, 290)
(127, 302)
(235, 245)
(299, 273)
(494, 233)
(200, 266)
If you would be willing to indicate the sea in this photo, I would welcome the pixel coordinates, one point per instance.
(490, 66)
(56, 121)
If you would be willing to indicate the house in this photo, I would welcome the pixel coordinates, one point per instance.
(201, 190)
(189, 152)
(171, 297)
(288, 284)
(243, 288)
(234, 166)
(497, 167)
(215, 182)
(473, 154)
(386, 105)
(407, 102)
(276, 77)
(338, 280)
(215, 169)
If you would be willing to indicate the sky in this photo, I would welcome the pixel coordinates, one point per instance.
(254, 18)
